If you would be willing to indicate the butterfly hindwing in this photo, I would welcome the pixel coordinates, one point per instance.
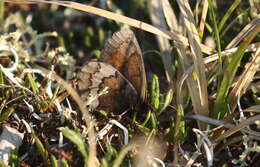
(94, 77)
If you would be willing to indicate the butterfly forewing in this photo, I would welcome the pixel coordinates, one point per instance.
(123, 52)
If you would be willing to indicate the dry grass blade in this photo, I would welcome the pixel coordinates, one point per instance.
(156, 14)
(203, 17)
(170, 16)
(221, 123)
(110, 15)
(251, 48)
(227, 143)
(246, 30)
(246, 78)
(201, 83)
(208, 146)
(237, 128)
(255, 109)
(89, 121)
(184, 61)
(117, 17)
(174, 26)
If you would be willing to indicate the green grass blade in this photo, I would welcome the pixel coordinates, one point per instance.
(110, 153)
(64, 163)
(154, 121)
(216, 31)
(220, 107)
(33, 84)
(147, 118)
(143, 128)
(54, 162)
(78, 141)
(6, 114)
(121, 156)
(179, 123)
(2, 107)
(61, 41)
(167, 100)
(227, 14)
(2, 81)
(54, 94)
(14, 159)
(40, 147)
(155, 92)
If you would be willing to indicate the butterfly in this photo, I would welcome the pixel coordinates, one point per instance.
(121, 69)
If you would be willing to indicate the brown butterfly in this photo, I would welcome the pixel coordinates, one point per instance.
(121, 70)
